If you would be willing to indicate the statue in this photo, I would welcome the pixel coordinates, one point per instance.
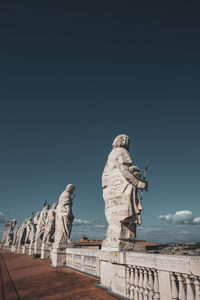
(41, 223)
(8, 232)
(50, 224)
(36, 220)
(15, 236)
(64, 216)
(30, 231)
(121, 182)
(22, 233)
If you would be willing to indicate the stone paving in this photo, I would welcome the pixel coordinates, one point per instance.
(27, 278)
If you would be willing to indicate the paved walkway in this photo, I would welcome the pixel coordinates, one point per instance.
(27, 278)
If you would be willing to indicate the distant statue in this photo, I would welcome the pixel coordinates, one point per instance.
(22, 233)
(121, 182)
(64, 216)
(30, 231)
(42, 222)
(15, 235)
(10, 225)
(50, 224)
(36, 220)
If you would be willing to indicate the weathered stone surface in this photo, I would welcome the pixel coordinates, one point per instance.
(64, 216)
(45, 250)
(41, 224)
(50, 224)
(7, 236)
(121, 182)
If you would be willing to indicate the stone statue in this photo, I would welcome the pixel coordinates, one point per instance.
(30, 231)
(64, 216)
(41, 223)
(15, 236)
(50, 224)
(22, 233)
(121, 182)
(36, 219)
(8, 233)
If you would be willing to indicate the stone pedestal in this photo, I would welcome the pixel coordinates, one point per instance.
(19, 249)
(58, 254)
(45, 251)
(31, 249)
(13, 248)
(37, 248)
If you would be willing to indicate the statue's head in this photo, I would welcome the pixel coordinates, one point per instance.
(14, 221)
(70, 188)
(121, 141)
(54, 205)
(38, 214)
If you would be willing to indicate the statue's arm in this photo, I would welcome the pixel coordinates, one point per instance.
(125, 162)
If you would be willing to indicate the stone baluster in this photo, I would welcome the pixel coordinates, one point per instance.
(141, 279)
(132, 276)
(136, 282)
(190, 293)
(128, 282)
(156, 286)
(181, 289)
(145, 285)
(150, 285)
(132, 282)
(197, 289)
(174, 287)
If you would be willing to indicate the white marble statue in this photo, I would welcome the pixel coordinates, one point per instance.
(7, 237)
(50, 224)
(41, 223)
(22, 233)
(15, 236)
(120, 182)
(30, 231)
(64, 216)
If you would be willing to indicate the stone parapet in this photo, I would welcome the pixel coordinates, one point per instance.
(150, 276)
(84, 260)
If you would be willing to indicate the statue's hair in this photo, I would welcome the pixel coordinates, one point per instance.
(122, 141)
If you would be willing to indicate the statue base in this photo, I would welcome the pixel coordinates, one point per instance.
(37, 248)
(19, 249)
(58, 253)
(13, 248)
(45, 251)
(25, 249)
(31, 249)
(120, 245)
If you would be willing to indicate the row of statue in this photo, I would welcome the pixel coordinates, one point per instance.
(55, 221)
(121, 183)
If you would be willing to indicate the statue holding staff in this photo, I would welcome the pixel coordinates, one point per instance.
(121, 182)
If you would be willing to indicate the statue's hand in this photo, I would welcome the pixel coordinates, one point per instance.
(143, 185)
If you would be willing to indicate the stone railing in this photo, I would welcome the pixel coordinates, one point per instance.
(141, 276)
(142, 283)
(84, 260)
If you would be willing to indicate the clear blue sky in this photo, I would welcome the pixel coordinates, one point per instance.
(73, 75)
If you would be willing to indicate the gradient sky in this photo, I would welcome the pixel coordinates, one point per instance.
(73, 75)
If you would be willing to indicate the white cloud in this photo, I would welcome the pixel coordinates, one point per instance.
(78, 222)
(100, 226)
(2, 218)
(196, 220)
(180, 217)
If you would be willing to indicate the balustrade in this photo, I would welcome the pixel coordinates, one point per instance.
(142, 283)
(185, 287)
